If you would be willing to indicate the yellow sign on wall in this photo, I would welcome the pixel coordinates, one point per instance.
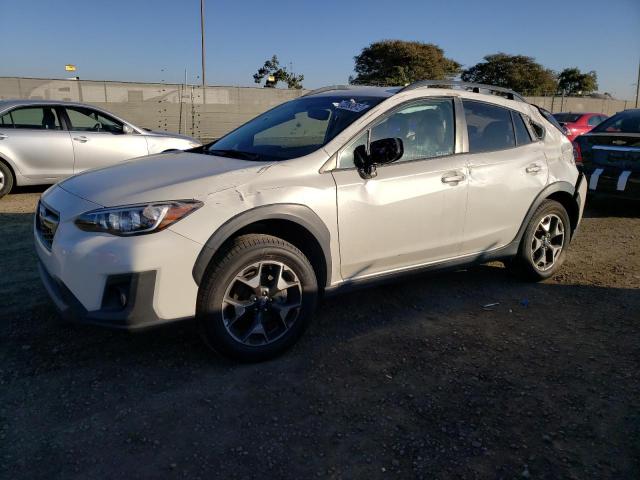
(70, 68)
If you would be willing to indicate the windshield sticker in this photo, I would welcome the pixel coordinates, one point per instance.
(352, 106)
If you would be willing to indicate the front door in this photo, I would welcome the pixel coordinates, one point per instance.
(412, 212)
(100, 140)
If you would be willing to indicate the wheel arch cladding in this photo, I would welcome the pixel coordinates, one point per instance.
(562, 192)
(567, 201)
(8, 164)
(294, 223)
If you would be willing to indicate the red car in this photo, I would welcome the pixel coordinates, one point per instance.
(578, 123)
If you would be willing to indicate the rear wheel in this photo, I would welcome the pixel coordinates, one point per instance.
(257, 298)
(6, 179)
(543, 247)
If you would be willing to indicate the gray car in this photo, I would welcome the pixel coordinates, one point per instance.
(43, 142)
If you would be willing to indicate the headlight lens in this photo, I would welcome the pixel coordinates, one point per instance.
(136, 219)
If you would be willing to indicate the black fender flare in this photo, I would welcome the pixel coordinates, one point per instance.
(293, 212)
(560, 186)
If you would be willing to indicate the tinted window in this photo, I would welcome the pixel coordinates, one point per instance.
(567, 117)
(489, 127)
(295, 128)
(623, 122)
(522, 132)
(5, 121)
(87, 120)
(595, 120)
(39, 118)
(550, 118)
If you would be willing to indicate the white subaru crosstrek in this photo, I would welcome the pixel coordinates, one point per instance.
(342, 187)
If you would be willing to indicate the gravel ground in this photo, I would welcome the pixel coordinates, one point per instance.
(412, 380)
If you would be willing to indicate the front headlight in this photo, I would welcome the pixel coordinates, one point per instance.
(136, 219)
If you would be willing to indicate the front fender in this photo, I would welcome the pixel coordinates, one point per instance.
(296, 213)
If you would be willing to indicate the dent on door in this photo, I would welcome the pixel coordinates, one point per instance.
(502, 187)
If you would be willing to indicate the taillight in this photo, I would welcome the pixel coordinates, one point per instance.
(577, 153)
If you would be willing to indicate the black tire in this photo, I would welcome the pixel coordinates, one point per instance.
(243, 253)
(524, 264)
(6, 179)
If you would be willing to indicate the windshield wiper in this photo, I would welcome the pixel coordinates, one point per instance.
(234, 154)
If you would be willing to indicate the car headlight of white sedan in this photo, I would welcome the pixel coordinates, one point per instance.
(136, 219)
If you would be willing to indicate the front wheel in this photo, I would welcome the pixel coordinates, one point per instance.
(257, 298)
(544, 243)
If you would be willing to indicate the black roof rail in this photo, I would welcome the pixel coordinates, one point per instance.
(470, 87)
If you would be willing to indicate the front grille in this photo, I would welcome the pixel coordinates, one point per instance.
(46, 224)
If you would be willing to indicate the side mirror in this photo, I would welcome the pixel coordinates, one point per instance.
(128, 129)
(381, 152)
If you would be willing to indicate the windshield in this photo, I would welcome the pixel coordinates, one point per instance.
(293, 129)
(623, 122)
(567, 117)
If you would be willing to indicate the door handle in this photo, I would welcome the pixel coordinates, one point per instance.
(2, 136)
(533, 168)
(81, 139)
(453, 178)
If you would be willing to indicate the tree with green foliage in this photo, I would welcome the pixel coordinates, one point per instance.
(517, 72)
(572, 81)
(274, 74)
(397, 62)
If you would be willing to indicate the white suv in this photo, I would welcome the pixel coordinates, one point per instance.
(342, 187)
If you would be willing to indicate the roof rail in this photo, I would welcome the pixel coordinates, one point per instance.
(329, 88)
(470, 87)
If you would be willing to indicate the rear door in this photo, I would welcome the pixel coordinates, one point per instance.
(507, 170)
(99, 140)
(34, 139)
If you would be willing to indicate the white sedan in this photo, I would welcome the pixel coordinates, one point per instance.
(43, 142)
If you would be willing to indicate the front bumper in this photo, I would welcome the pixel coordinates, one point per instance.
(136, 313)
(120, 282)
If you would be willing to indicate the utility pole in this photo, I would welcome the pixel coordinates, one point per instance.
(204, 82)
(638, 85)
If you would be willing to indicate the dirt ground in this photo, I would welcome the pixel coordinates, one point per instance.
(412, 380)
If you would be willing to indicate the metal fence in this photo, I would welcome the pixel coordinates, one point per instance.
(216, 110)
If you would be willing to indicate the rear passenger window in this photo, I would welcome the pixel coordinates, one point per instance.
(522, 132)
(5, 121)
(489, 127)
(38, 118)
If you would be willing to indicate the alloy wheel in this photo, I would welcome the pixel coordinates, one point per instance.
(547, 242)
(262, 303)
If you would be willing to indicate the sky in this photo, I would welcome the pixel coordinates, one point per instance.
(156, 40)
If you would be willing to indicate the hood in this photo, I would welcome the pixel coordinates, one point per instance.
(159, 133)
(171, 176)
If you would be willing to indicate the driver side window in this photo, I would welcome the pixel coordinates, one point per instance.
(426, 128)
(87, 120)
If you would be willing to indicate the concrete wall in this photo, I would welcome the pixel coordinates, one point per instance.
(177, 108)
(158, 106)
(581, 104)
